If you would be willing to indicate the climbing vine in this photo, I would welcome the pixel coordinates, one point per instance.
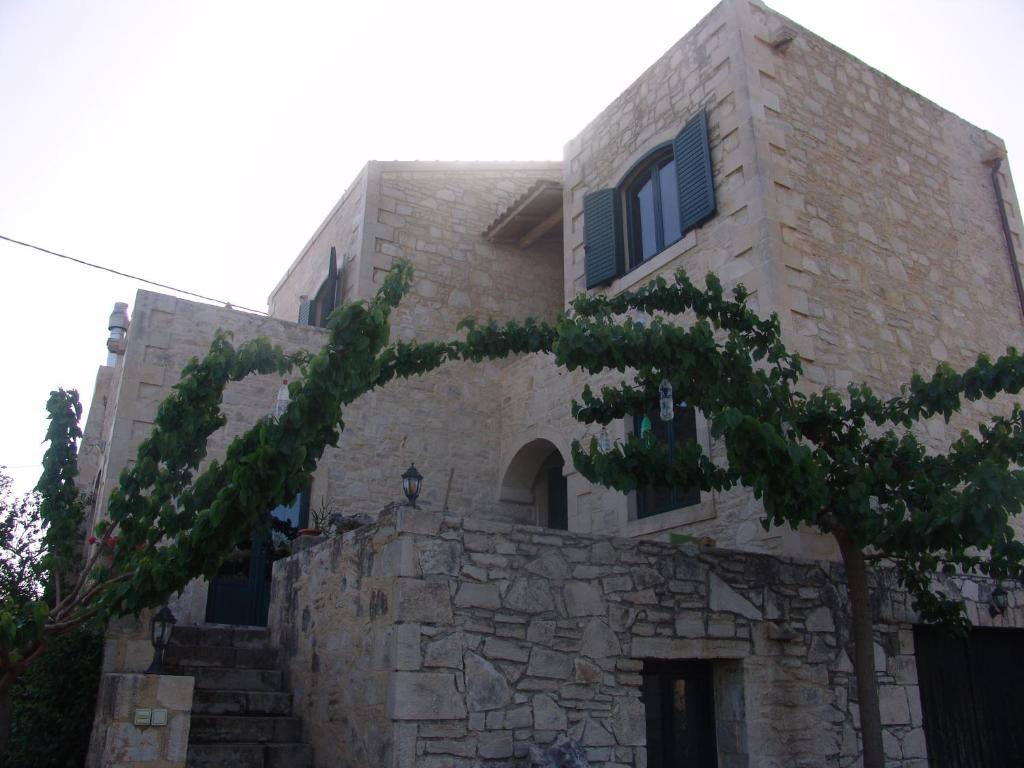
(848, 463)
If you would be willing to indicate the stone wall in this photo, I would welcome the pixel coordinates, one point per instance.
(433, 216)
(860, 212)
(427, 641)
(118, 741)
(892, 249)
(702, 71)
(165, 333)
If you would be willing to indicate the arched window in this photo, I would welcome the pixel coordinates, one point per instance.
(668, 193)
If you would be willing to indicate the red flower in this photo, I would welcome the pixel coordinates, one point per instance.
(92, 539)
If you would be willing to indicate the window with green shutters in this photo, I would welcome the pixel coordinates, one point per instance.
(315, 311)
(668, 193)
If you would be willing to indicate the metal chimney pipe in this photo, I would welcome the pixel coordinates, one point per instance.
(118, 327)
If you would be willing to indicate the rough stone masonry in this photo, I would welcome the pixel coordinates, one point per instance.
(430, 641)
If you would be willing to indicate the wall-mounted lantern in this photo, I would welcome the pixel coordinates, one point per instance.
(411, 481)
(161, 628)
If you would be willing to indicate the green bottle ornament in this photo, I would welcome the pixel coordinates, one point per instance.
(646, 431)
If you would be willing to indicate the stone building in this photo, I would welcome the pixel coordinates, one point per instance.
(884, 232)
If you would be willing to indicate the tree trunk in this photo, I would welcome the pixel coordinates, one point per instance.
(6, 713)
(863, 650)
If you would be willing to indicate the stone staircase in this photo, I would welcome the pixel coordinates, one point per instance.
(241, 717)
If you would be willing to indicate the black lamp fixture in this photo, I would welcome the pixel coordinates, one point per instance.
(999, 601)
(161, 628)
(411, 481)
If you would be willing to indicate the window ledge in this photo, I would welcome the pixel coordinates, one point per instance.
(654, 264)
(672, 519)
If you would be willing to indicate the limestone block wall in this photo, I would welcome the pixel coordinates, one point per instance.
(427, 641)
(165, 333)
(892, 254)
(705, 70)
(343, 229)
(432, 215)
(536, 405)
(860, 212)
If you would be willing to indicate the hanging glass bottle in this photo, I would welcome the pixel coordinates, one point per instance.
(665, 400)
(604, 442)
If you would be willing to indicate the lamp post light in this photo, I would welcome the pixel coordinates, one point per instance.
(999, 602)
(411, 481)
(162, 625)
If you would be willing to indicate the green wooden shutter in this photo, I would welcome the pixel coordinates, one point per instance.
(305, 312)
(327, 296)
(693, 172)
(602, 235)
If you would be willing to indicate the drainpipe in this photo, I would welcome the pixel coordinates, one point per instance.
(1014, 267)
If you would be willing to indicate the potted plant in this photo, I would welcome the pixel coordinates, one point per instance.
(319, 519)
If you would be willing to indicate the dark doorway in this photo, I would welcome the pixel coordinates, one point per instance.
(680, 709)
(240, 594)
(972, 697)
(558, 499)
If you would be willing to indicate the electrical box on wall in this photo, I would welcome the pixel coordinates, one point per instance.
(148, 716)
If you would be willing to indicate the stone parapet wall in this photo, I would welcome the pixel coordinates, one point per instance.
(427, 641)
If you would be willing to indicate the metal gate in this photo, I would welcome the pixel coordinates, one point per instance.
(972, 697)
(240, 593)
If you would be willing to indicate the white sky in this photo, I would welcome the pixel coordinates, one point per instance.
(200, 142)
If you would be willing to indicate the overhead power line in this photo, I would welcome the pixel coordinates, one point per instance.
(131, 277)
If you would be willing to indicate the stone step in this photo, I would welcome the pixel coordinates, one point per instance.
(249, 756)
(222, 636)
(251, 729)
(229, 678)
(207, 702)
(221, 656)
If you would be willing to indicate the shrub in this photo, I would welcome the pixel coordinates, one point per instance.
(53, 703)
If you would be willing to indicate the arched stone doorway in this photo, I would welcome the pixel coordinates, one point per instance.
(536, 476)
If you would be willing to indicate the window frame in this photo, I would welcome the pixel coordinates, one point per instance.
(679, 498)
(647, 168)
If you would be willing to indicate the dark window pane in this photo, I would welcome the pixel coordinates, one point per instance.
(653, 500)
(669, 202)
(644, 224)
